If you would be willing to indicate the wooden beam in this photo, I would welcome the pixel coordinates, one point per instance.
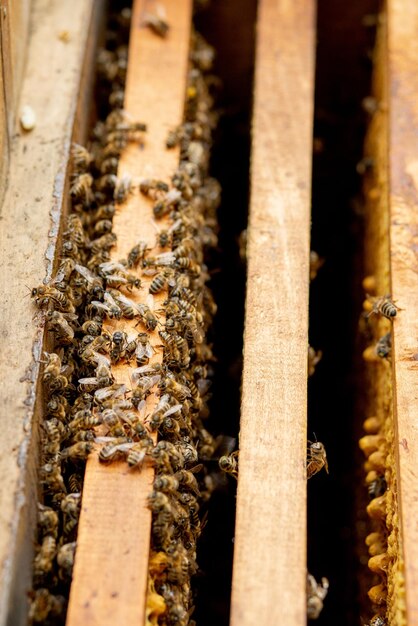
(30, 214)
(402, 20)
(269, 573)
(110, 573)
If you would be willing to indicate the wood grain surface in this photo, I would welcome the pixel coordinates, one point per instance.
(269, 572)
(402, 19)
(30, 218)
(111, 566)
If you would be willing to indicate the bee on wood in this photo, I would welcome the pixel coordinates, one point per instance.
(315, 264)
(114, 448)
(123, 188)
(162, 412)
(65, 560)
(384, 346)
(115, 275)
(43, 561)
(383, 306)
(44, 605)
(85, 421)
(144, 350)
(229, 464)
(313, 359)
(138, 452)
(47, 520)
(63, 332)
(70, 506)
(56, 407)
(52, 375)
(103, 243)
(148, 318)
(82, 159)
(316, 593)
(167, 457)
(174, 137)
(93, 327)
(179, 391)
(150, 186)
(160, 281)
(156, 22)
(137, 254)
(81, 188)
(44, 295)
(77, 452)
(75, 230)
(317, 458)
(119, 342)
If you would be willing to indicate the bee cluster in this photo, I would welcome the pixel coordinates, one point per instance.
(83, 304)
(377, 445)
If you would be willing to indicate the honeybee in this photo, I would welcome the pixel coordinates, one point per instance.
(148, 318)
(167, 457)
(313, 359)
(56, 407)
(65, 559)
(78, 451)
(384, 346)
(138, 452)
(180, 566)
(85, 421)
(101, 227)
(82, 158)
(44, 605)
(187, 479)
(63, 332)
(148, 186)
(160, 413)
(229, 464)
(43, 561)
(70, 506)
(52, 375)
(179, 391)
(124, 187)
(81, 188)
(75, 230)
(377, 487)
(137, 254)
(383, 306)
(44, 295)
(93, 327)
(317, 458)
(114, 448)
(378, 620)
(105, 212)
(103, 243)
(174, 137)
(119, 343)
(75, 483)
(47, 520)
(160, 281)
(116, 275)
(188, 451)
(315, 264)
(157, 22)
(316, 594)
(144, 349)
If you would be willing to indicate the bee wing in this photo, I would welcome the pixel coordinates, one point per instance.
(203, 384)
(101, 359)
(116, 278)
(85, 273)
(109, 299)
(100, 305)
(165, 258)
(150, 301)
(149, 350)
(177, 224)
(107, 392)
(173, 409)
(141, 351)
(88, 381)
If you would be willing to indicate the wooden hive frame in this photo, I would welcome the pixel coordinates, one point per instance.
(269, 576)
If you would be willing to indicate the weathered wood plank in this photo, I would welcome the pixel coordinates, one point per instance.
(111, 566)
(30, 217)
(269, 575)
(402, 19)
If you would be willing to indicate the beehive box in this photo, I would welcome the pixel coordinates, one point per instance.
(110, 577)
